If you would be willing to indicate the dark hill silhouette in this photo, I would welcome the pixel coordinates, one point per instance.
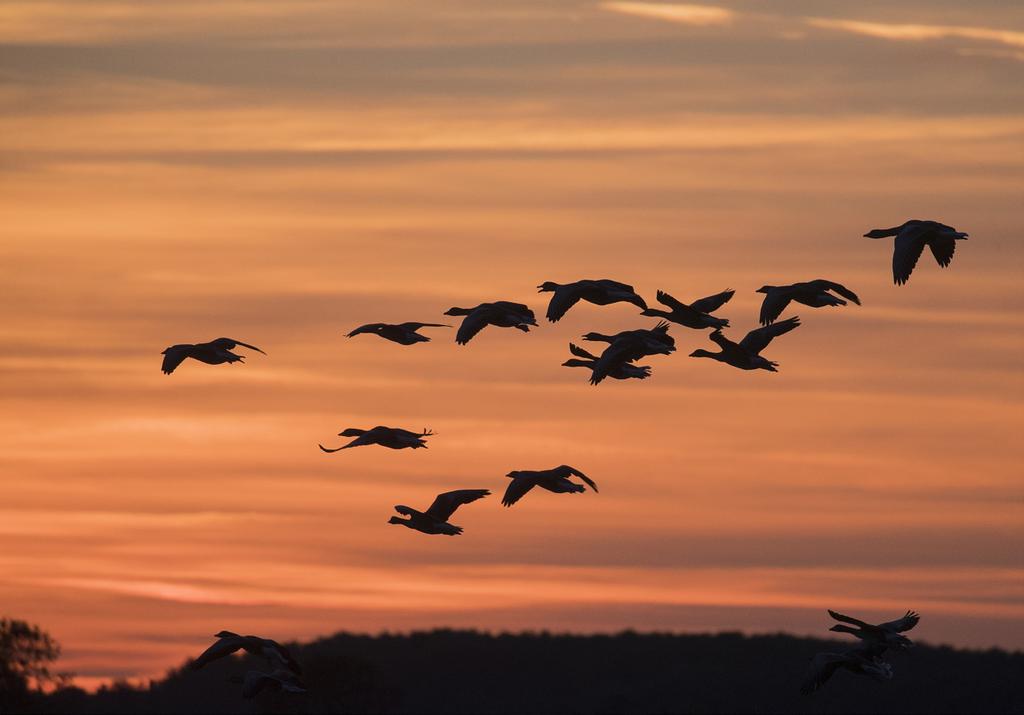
(447, 671)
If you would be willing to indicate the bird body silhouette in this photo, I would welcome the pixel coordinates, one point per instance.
(554, 480)
(401, 333)
(435, 519)
(502, 314)
(811, 293)
(617, 371)
(390, 437)
(696, 315)
(228, 643)
(824, 665)
(911, 238)
(877, 638)
(629, 346)
(256, 681)
(214, 352)
(746, 354)
(598, 292)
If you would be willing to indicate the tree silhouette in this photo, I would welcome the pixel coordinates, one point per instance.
(26, 654)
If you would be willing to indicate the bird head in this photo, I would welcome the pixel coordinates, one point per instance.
(547, 286)
(701, 352)
(396, 520)
(877, 233)
(224, 634)
(512, 474)
(594, 336)
(764, 289)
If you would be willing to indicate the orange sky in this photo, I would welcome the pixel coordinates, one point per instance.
(281, 172)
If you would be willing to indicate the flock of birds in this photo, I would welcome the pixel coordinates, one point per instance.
(617, 361)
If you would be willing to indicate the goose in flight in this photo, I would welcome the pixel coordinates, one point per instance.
(214, 352)
(823, 665)
(697, 314)
(402, 333)
(746, 354)
(256, 681)
(390, 437)
(228, 642)
(598, 292)
(629, 346)
(618, 371)
(554, 480)
(881, 636)
(812, 293)
(502, 314)
(911, 238)
(435, 519)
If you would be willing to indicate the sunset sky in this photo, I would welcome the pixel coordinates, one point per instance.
(281, 171)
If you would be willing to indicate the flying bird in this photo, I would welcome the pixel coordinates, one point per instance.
(435, 519)
(554, 480)
(228, 642)
(256, 681)
(402, 333)
(824, 665)
(911, 238)
(697, 314)
(502, 314)
(598, 292)
(746, 354)
(214, 352)
(881, 636)
(618, 371)
(812, 293)
(390, 437)
(629, 346)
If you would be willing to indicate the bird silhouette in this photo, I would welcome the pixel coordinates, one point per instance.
(911, 238)
(824, 665)
(256, 681)
(746, 354)
(502, 314)
(214, 352)
(228, 643)
(697, 314)
(618, 371)
(881, 636)
(390, 437)
(402, 333)
(629, 346)
(435, 519)
(598, 292)
(812, 293)
(554, 480)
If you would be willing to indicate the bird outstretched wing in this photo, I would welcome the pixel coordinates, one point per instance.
(517, 488)
(446, 504)
(774, 303)
(713, 302)
(908, 621)
(471, 325)
(173, 356)
(580, 352)
(849, 619)
(565, 470)
(823, 665)
(417, 326)
(563, 298)
(943, 248)
(223, 647)
(758, 339)
(839, 288)
(231, 343)
(907, 249)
